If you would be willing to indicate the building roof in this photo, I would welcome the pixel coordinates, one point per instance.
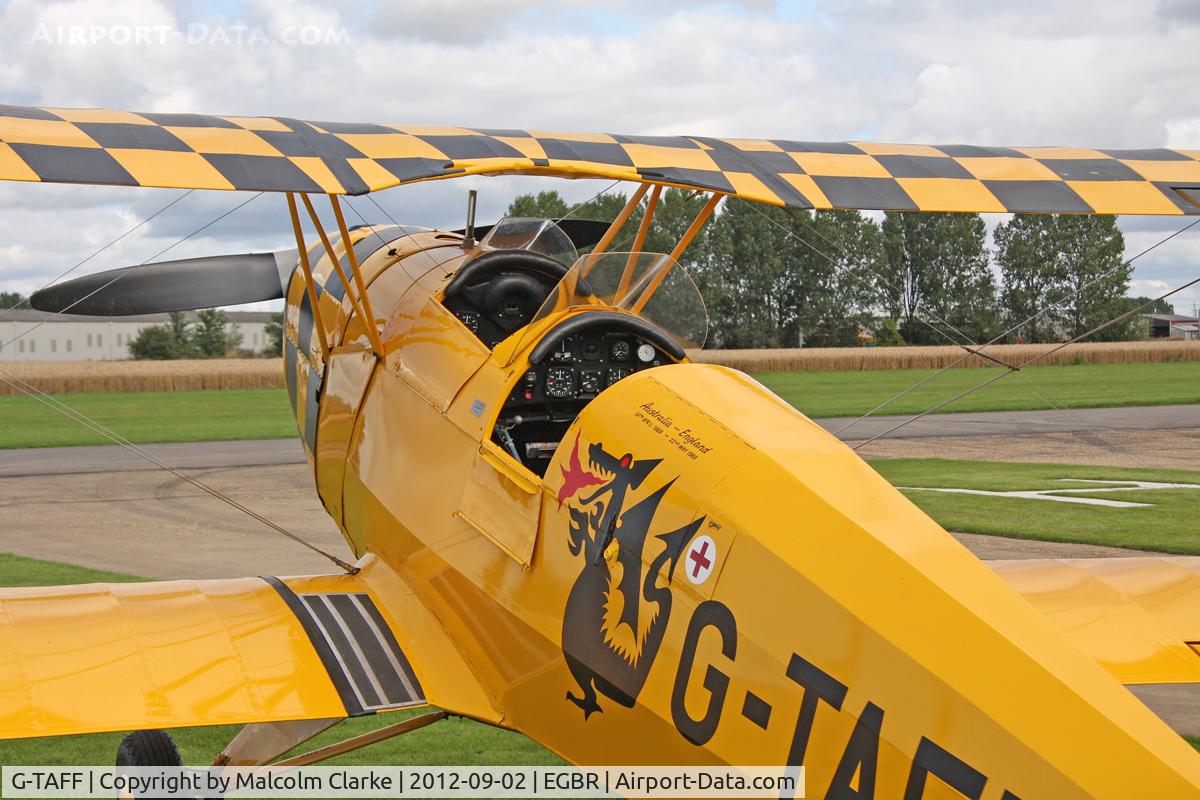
(30, 315)
(1172, 318)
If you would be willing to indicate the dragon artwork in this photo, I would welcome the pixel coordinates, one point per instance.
(618, 608)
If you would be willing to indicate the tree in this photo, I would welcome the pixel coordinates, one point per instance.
(210, 338)
(748, 282)
(543, 205)
(771, 278)
(1097, 276)
(1158, 306)
(13, 300)
(551, 205)
(153, 342)
(841, 258)
(181, 335)
(273, 333)
(936, 267)
(1063, 275)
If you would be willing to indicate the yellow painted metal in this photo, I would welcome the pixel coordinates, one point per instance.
(362, 740)
(818, 558)
(1136, 616)
(110, 657)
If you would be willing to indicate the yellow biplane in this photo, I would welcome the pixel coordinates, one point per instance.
(562, 526)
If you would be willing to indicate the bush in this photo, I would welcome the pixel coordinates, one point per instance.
(154, 342)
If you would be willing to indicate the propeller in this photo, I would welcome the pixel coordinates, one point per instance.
(207, 282)
(182, 285)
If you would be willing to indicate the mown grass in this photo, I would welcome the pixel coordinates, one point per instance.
(143, 417)
(838, 394)
(1168, 524)
(265, 413)
(450, 741)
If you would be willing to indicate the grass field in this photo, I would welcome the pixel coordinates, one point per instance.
(265, 413)
(836, 394)
(150, 417)
(451, 741)
(1169, 525)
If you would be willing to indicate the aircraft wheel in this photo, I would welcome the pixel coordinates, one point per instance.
(148, 749)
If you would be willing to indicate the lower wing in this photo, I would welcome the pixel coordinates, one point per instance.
(112, 657)
(1138, 617)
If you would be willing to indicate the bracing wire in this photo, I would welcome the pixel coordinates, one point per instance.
(95, 253)
(1027, 362)
(120, 275)
(976, 349)
(49, 401)
(79, 417)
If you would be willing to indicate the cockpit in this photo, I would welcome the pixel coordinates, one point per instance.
(581, 327)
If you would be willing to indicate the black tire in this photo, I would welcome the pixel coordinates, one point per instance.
(148, 749)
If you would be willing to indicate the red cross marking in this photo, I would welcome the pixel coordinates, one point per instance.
(700, 559)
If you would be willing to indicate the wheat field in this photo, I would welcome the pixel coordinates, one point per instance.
(71, 377)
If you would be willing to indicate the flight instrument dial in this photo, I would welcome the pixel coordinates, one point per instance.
(560, 382)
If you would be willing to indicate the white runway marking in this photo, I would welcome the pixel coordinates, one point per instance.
(1063, 495)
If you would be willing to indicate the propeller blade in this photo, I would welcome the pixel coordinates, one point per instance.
(183, 285)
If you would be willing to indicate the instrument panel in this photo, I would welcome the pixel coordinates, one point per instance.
(584, 365)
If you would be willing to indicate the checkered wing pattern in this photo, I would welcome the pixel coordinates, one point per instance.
(280, 154)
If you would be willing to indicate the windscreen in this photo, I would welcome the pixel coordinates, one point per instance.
(530, 233)
(649, 285)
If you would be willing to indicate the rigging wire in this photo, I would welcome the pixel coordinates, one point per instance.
(64, 274)
(54, 404)
(1004, 334)
(854, 265)
(974, 349)
(1027, 362)
(1026, 383)
(120, 275)
(79, 417)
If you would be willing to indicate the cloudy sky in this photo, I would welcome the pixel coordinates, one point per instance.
(1090, 73)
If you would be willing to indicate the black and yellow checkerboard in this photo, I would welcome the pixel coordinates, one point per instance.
(280, 154)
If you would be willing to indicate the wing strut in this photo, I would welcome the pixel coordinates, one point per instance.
(309, 286)
(362, 740)
(677, 253)
(368, 320)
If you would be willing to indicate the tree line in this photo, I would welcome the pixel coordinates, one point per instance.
(210, 336)
(774, 277)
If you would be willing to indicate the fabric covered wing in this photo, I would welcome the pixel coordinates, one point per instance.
(280, 154)
(105, 657)
(1138, 617)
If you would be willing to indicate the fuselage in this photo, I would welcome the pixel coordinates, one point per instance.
(699, 575)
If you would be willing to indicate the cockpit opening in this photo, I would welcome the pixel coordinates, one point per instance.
(609, 315)
(574, 362)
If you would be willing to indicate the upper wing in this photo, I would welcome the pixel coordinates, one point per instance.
(1138, 617)
(110, 657)
(280, 154)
